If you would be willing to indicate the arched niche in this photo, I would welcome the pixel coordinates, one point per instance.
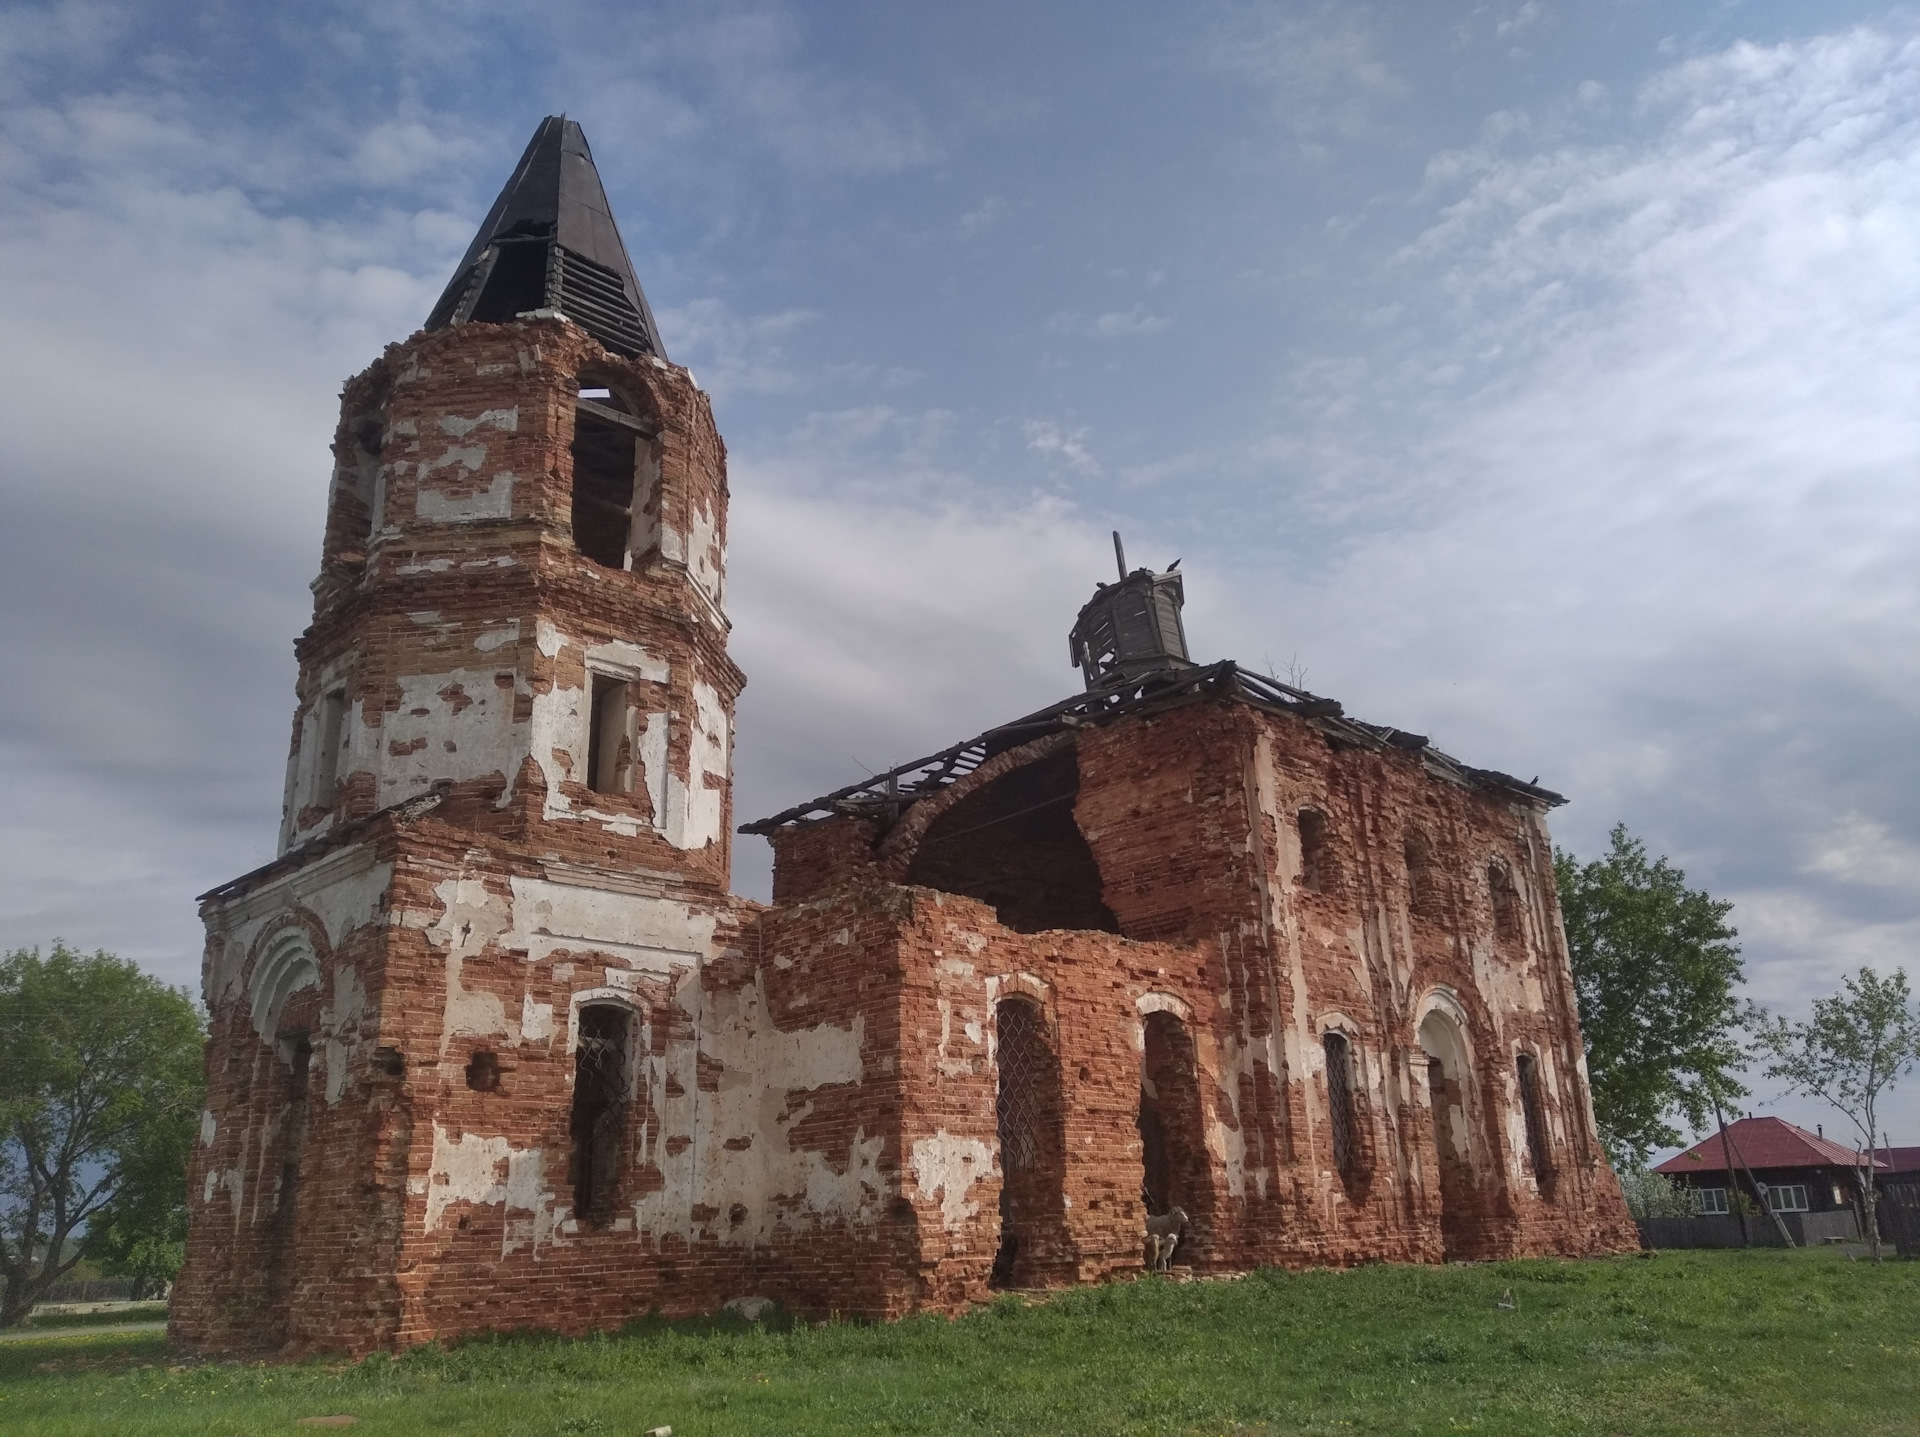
(285, 964)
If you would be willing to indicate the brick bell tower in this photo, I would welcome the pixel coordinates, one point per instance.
(505, 832)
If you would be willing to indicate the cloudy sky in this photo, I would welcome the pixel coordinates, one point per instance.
(1536, 376)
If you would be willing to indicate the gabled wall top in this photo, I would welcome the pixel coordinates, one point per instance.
(550, 242)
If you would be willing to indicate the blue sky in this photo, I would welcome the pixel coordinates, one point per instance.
(1536, 376)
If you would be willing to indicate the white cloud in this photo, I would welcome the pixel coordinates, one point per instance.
(732, 354)
(1056, 441)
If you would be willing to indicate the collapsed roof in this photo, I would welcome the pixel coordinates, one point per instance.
(888, 795)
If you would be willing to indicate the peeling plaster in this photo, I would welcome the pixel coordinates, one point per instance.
(946, 1167)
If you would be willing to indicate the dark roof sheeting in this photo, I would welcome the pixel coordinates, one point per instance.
(555, 193)
(888, 795)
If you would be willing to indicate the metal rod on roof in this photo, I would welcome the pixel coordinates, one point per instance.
(1119, 554)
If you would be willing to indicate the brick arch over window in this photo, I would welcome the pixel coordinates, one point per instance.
(1012, 842)
(1452, 1093)
(285, 962)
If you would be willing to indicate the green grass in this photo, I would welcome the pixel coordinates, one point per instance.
(131, 1312)
(1750, 1343)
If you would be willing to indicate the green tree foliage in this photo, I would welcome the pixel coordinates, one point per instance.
(1655, 966)
(100, 1094)
(1861, 1041)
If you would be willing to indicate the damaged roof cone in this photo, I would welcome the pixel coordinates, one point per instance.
(1131, 628)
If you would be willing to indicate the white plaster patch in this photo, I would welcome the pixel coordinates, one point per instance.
(945, 1167)
(653, 935)
(470, 918)
(505, 420)
(625, 660)
(694, 807)
(493, 502)
(208, 1127)
(498, 638)
(483, 1170)
(536, 1020)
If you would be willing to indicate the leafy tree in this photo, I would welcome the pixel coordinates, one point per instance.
(1861, 1041)
(100, 1093)
(1655, 966)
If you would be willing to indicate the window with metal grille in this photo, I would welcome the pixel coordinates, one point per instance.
(1339, 1056)
(598, 1124)
(1538, 1155)
(1710, 1201)
(1025, 1061)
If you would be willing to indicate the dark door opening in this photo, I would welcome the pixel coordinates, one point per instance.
(1173, 1148)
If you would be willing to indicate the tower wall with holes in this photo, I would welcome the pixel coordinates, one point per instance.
(507, 824)
(519, 583)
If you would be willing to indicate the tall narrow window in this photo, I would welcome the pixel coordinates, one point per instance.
(598, 1125)
(326, 764)
(604, 436)
(1316, 859)
(1423, 880)
(1340, 1117)
(1538, 1155)
(1506, 905)
(608, 760)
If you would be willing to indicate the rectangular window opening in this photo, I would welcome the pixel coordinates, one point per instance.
(609, 766)
(598, 1120)
(326, 768)
(1711, 1202)
(1538, 1155)
(603, 474)
(1787, 1197)
(1340, 1101)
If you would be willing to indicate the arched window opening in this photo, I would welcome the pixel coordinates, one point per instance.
(1423, 877)
(1539, 1154)
(1028, 1115)
(1014, 844)
(1317, 873)
(606, 437)
(1172, 1134)
(1506, 904)
(1448, 1095)
(598, 1123)
(1342, 1111)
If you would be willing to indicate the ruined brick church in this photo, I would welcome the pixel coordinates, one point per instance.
(492, 1045)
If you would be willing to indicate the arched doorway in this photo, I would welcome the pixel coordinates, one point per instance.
(1029, 1118)
(1173, 1149)
(1449, 1092)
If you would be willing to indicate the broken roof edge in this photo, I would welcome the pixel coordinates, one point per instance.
(898, 788)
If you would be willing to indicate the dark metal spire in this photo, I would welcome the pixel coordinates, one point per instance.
(550, 242)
